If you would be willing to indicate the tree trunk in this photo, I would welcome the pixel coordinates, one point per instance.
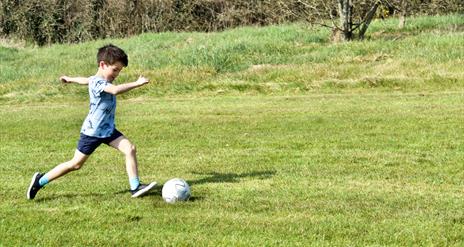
(368, 19)
(346, 18)
(403, 12)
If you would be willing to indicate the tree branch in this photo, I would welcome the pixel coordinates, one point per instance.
(367, 19)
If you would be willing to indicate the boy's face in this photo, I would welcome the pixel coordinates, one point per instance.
(110, 71)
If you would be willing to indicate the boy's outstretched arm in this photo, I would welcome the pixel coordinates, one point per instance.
(78, 80)
(122, 88)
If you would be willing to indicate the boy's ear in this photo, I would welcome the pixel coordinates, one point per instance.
(101, 64)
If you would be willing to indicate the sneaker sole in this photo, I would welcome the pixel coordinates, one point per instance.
(28, 192)
(144, 190)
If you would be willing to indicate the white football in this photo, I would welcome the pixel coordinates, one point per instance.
(175, 190)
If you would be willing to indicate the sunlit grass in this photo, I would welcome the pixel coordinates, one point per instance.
(286, 139)
(332, 170)
(285, 59)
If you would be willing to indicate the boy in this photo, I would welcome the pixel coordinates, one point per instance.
(98, 127)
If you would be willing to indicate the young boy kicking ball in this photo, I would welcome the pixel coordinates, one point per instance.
(98, 126)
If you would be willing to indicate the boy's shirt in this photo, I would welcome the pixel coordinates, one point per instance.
(100, 120)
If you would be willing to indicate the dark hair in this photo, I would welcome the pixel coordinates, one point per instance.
(111, 54)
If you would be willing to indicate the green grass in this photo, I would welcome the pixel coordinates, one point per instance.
(285, 138)
(275, 60)
(330, 170)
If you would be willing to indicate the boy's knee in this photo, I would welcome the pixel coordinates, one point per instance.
(130, 150)
(75, 165)
(72, 166)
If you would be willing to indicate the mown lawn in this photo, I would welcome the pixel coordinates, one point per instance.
(321, 169)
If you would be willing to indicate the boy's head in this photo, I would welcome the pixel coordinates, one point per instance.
(111, 60)
(111, 54)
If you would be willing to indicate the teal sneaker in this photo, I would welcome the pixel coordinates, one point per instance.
(142, 189)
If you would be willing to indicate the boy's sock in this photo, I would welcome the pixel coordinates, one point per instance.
(43, 180)
(134, 183)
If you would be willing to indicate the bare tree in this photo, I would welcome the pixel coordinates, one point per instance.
(349, 19)
(345, 11)
(402, 15)
(364, 17)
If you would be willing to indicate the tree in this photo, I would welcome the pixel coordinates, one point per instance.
(349, 19)
(349, 23)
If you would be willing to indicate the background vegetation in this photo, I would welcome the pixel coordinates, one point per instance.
(67, 21)
(284, 59)
(287, 139)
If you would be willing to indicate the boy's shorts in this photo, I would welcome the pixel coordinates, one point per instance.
(88, 144)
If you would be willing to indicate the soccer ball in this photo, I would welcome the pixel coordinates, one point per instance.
(175, 190)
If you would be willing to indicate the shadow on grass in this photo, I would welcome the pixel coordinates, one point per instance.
(216, 177)
(69, 196)
(213, 177)
(156, 191)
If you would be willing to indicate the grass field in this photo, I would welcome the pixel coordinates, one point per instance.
(291, 142)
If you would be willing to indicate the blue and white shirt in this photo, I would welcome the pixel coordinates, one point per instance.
(100, 120)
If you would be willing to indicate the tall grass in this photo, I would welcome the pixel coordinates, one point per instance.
(270, 60)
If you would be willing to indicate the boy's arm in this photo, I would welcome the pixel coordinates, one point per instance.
(122, 88)
(78, 80)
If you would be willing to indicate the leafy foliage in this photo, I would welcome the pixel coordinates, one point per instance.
(67, 21)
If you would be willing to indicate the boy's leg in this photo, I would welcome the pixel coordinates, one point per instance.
(72, 165)
(39, 180)
(128, 149)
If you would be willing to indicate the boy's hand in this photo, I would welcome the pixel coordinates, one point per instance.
(142, 81)
(78, 80)
(65, 79)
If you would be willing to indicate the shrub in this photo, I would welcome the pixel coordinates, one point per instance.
(67, 21)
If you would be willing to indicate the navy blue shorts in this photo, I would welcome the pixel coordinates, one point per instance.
(88, 144)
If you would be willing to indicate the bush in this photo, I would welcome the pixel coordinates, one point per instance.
(67, 21)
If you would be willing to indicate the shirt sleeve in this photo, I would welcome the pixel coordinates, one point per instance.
(98, 86)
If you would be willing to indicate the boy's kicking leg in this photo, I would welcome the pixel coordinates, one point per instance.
(39, 180)
(128, 149)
